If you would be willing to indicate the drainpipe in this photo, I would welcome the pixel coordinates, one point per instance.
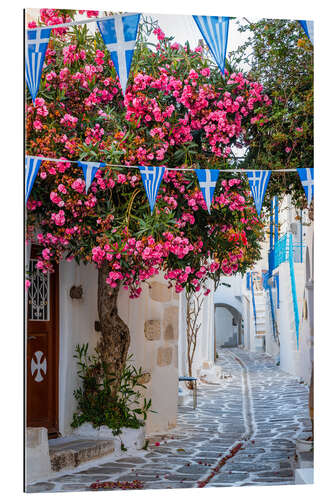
(301, 239)
(276, 220)
(270, 267)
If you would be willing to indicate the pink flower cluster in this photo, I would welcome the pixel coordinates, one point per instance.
(51, 17)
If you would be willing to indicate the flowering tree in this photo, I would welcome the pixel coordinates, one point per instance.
(177, 111)
(280, 56)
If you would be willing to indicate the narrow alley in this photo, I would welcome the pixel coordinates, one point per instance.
(242, 433)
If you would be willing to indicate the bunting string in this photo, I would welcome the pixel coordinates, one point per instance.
(166, 168)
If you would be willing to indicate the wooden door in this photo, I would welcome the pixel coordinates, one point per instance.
(42, 349)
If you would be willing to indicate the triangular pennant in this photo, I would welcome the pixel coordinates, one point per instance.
(32, 165)
(307, 177)
(89, 171)
(35, 49)
(207, 182)
(119, 35)
(308, 28)
(258, 180)
(151, 178)
(215, 30)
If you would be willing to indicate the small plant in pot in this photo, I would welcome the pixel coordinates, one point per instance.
(108, 399)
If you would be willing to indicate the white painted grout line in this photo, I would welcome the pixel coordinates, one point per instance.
(248, 416)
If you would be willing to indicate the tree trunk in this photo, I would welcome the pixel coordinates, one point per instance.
(115, 336)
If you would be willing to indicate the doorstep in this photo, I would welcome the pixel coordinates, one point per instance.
(69, 452)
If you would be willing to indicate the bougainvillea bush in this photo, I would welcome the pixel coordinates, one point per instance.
(177, 111)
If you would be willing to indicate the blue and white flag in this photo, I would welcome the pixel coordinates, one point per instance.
(89, 171)
(207, 182)
(35, 49)
(258, 180)
(215, 30)
(151, 178)
(308, 28)
(307, 177)
(119, 35)
(32, 164)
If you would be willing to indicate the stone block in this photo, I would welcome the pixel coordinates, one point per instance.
(169, 333)
(170, 323)
(152, 329)
(164, 356)
(133, 439)
(160, 292)
(38, 464)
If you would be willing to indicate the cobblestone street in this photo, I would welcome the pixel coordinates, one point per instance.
(242, 433)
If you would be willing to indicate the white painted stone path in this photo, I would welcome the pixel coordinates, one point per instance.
(260, 407)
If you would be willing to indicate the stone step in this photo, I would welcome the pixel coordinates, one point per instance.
(305, 459)
(68, 453)
(304, 476)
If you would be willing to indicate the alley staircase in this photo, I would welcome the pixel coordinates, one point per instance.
(261, 321)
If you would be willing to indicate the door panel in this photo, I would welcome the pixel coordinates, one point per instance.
(42, 349)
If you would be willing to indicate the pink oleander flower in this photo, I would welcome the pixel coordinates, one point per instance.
(59, 218)
(38, 125)
(159, 33)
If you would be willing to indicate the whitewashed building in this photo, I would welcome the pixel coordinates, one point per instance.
(278, 293)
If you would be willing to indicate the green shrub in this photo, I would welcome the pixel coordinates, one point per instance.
(98, 403)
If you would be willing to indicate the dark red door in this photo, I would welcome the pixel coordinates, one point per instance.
(42, 349)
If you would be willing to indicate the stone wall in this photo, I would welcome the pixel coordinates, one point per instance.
(153, 324)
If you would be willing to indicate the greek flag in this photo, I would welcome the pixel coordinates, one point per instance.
(215, 30)
(151, 178)
(308, 28)
(207, 182)
(89, 171)
(32, 164)
(35, 48)
(307, 176)
(119, 35)
(258, 180)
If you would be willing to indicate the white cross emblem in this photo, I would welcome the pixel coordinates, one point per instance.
(40, 367)
(38, 40)
(120, 46)
(206, 186)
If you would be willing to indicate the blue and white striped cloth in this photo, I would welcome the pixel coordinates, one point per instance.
(32, 165)
(151, 178)
(35, 49)
(119, 35)
(258, 180)
(207, 181)
(308, 28)
(307, 179)
(89, 171)
(215, 31)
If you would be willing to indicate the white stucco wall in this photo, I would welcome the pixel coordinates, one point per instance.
(224, 328)
(77, 318)
(76, 326)
(205, 349)
(290, 355)
(306, 314)
(246, 318)
(232, 295)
